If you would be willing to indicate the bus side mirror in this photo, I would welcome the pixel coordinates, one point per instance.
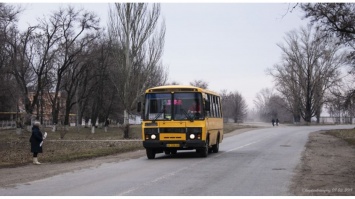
(207, 106)
(139, 106)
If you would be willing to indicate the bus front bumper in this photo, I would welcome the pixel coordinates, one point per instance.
(188, 144)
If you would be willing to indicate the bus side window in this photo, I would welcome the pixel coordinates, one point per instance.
(215, 106)
(213, 110)
(219, 107)
(210, 114)
(207, 106)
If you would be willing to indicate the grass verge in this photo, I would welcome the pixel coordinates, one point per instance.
(346, 134)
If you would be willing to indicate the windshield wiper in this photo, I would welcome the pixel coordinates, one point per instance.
(187, 115)
(159, 114)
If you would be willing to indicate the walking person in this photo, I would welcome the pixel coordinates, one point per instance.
(277, 121)
(36, 141)
(273, 122)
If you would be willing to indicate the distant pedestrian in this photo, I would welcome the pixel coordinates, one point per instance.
(273, 122)
(277, 121)
(37, 141)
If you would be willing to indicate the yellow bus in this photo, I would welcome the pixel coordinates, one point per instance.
(179, 117)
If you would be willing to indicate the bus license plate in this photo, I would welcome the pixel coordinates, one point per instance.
(172, 145)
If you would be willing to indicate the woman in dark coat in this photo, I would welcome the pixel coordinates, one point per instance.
(36, 142)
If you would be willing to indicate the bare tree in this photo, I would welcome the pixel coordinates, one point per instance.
(349, 105)
(278, 109)
(104, 96)
(17, 49)
(310, 65)
(79, 83)
(65, 34)
(234, 106)
(200, 83)
(261, 102)
(138, 41)
(340, 103)
(270, 106)
(335, 19)
(174, 83)
(290, 91)
(225, 108)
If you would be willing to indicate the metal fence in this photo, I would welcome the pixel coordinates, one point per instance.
(6, 124)
(11, 124)
(337, 120)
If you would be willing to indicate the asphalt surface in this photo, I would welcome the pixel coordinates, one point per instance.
(257, 163)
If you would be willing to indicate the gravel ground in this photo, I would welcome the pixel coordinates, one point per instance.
(327, 168)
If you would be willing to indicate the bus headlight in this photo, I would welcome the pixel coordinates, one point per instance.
(153, 137)
(192, 136)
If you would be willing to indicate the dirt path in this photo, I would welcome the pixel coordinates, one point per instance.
(327, 168)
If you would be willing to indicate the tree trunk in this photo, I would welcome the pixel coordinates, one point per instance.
(126, 131)
(67, 113)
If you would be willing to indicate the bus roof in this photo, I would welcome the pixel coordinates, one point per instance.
(169, 88)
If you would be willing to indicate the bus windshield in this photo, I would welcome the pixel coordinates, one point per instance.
(173, 106)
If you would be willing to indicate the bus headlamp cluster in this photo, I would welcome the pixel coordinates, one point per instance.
(151, 133)
(194, 133)
(151, 136)
(195, 136)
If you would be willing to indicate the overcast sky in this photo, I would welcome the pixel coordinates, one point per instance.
(228, 45)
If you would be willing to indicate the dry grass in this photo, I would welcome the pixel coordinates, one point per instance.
(229, 127)
(345, 134)
(78, 143)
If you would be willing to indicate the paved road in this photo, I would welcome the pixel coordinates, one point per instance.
(259, 163)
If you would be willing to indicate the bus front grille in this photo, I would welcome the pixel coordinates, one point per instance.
(172, 136)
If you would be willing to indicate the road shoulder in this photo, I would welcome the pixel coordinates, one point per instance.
(327, 168)
(28, 173)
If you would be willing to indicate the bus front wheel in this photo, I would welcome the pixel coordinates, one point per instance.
(204, 151)
(150, 153)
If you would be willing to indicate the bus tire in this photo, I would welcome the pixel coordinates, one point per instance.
(150, 153)
(215, 148)
(204, 151)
